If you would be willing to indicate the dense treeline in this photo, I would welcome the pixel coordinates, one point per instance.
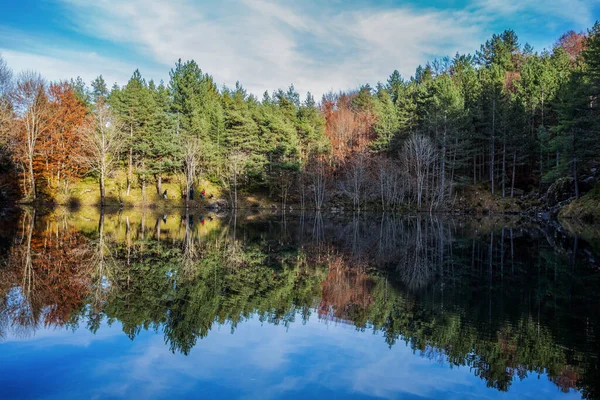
(506, 118)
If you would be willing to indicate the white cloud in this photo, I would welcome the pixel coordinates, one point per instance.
(64, 65)
(268, 44)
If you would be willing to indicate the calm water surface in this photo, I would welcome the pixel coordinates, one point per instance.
(138, 305)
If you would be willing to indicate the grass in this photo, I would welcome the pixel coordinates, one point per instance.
(586, 208)
(86, 192)
(480, 200)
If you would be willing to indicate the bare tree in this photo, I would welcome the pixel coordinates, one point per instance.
(103, 138)
(232, 173)
(31, 106)
(192, 161)
(5, 88)
(284, 182)
(418, 157)
(317, 180)
(390, 182)
(356, 179)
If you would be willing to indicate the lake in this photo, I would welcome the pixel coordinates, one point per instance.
(187, 305)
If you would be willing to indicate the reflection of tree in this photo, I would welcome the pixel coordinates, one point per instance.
(44, 281)
(415, 265)
(102, 266)
(189, 254)
(346, 293)
(154, 292)
(26, 316)
(507, 303)
(415, 249)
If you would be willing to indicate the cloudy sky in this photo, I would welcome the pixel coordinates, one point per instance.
(318, 45)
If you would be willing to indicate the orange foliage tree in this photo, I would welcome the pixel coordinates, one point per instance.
(572, 42)
(61, 148)
(349, 124)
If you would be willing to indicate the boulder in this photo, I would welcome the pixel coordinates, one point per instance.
(561, 190)
(219, 204)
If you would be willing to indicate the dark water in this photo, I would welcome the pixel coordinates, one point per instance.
(133, 304)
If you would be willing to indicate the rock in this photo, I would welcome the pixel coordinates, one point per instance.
(222, 203)
(219, 204)
(561, 190)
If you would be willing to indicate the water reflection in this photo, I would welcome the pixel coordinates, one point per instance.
(505, 298)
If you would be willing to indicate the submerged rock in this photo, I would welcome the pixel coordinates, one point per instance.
(219, 204)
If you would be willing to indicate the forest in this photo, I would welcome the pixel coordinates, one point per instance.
(507, 121)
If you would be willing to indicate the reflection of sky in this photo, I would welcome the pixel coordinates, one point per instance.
(315, 360)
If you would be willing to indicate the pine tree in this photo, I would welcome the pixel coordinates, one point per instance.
(165, 144)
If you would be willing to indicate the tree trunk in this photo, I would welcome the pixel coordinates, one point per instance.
(143, 189)
(32, 179)
(453, 166)
(130, 167)
(159, 185)
(102, 193)
(541, 163)
(575, 166)
(235, 197)
(381, 185)
(504, 167)
(514, 167)
(492, 146)
(474, 169)
(443, 162)
(101, 225)
(188, 187)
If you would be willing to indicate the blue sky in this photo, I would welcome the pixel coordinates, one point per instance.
(265, 44)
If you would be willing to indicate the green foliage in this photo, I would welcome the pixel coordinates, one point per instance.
(506, 117)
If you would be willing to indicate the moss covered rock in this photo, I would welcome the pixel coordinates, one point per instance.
(561, 190)
(587, 208)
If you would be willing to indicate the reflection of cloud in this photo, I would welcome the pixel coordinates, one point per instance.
(256, 362)
(411, 375)
(58, 336)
